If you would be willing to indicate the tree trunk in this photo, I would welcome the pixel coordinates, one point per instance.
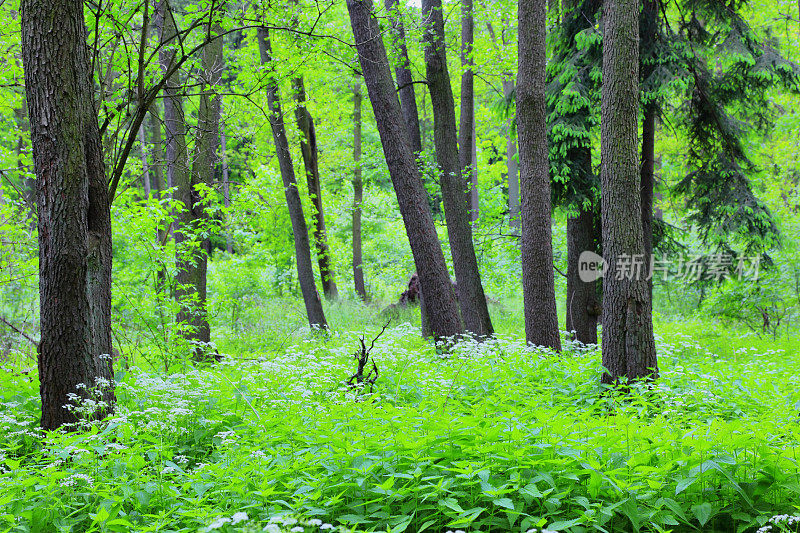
(538, 283)
(514, 202)
(190, 260)
(157, 170)
(628, 345)
(405, 81)
(411, 195)
(649, 21)
(583, 306)
(302, 245)
(226, 189)
(454, 187)
(308, 147)
(466, 128)
(145, 164)
(74, 217)
(358, 194)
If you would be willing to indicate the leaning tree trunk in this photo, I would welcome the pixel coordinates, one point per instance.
(74, 213)
(628, 344)
(454, 187)
(440, 301)
(466, 129)
(583, 305)
(405, 81)
(538, 283)
(358, 195)
(157, 172)
(302, 245)
(308, 148)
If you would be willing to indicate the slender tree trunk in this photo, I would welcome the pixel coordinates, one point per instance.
(73, 207)
(514, 201)
(439, 297)
(157, 150)
(405, 81)
(302, 245)
(157, 171)
(583, 306)
(308, 147)
(189, 259)
(466, 128)
(358, 194)
(538, 284)
(628, 345)
(226, 188)
(649, 21)
(145, 164)
(454, 187)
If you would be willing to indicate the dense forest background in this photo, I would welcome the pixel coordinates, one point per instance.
(238, 403)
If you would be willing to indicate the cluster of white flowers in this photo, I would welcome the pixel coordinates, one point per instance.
(237, 518)
(780, 520)
(74, 479)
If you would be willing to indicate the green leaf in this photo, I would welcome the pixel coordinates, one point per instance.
(702, 512)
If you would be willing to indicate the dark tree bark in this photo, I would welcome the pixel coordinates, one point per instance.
(628, 344)
(649, 20)
(308, 147)
(405, 81)
(440, 300)
(583, 305)
(74, 214)
(302, 245)
(454, 188)
(466, 129)
(538, 283)
(358, 195)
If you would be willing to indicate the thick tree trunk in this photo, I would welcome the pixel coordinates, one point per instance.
(583, 305)
(308, 148)
(405, 81)
(628, 344)
(454, 188)
(538, 283)
(466, 129)
(358, 195)
(514, 201)
(73, 207)
(440, 301)
(302, 245)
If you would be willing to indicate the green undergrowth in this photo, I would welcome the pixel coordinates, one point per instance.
(490, 437)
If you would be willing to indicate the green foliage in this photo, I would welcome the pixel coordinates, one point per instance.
(494, 436)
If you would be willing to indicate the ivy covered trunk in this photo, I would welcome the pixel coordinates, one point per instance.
(628, 344)
(474, 309)
(74, 218)
(440, 300)
(538, 283)
(302, 244)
